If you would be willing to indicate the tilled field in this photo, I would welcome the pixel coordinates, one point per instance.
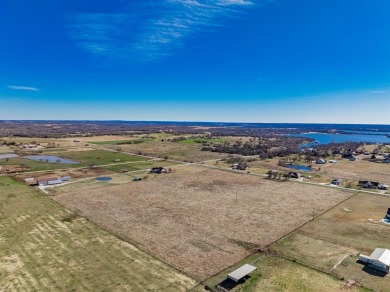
(203, 220)
(44, 247)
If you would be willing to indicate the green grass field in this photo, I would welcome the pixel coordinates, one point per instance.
(142, 165)
(278, 274)
(97, 157)
(44, 247)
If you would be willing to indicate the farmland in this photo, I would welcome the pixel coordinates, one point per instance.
(44, 247)
(332, 242)
(201, 213)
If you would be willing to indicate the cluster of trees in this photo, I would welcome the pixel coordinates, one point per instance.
(263, 147)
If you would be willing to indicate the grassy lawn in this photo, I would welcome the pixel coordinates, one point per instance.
(44, 247)
(140, 166)
(277, 274)
(311, 251)
(97, 157)
(122, 142)
(354, 270)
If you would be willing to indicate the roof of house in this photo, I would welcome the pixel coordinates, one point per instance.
(381, 255)
(241, 272)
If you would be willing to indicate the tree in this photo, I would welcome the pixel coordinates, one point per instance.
(90, 164)
(58, 160)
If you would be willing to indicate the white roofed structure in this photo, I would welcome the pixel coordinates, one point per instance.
(241, 272)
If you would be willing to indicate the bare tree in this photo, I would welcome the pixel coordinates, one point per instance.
(90, 164)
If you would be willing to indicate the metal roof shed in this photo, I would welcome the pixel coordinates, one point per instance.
(381, 255)
(241, 272)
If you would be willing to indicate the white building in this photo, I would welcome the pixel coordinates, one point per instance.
(378, 260)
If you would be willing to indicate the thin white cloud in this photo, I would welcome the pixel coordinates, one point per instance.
(148, 30)
(377, 91)
(27, 88)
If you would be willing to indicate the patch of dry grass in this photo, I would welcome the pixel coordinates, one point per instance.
(44, 247)
(193, 221)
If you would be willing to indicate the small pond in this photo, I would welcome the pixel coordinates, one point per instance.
(299, 167)
(51, 159)
(104, 178)
(4, 156)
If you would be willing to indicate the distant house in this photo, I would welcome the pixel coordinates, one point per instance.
(383, 187)
(158, 170)
(320, 161)
(378, 260)
(239, 166)
(45, 181)
(336, 182)
(368, 184)
(353, 158)
(293, 174)
(347, 155)
(48, 181)
(386, 160)
(332, 161)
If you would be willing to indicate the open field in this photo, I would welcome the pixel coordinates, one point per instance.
(173, 150)
(359, 170)
(311, 251)
(142, 165)
(278, 274)
(354, 223)
(97, 157)
(44, 247)
(202, 221)
(332, 241)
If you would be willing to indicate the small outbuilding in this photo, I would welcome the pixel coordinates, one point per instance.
(320, 161)
(336, 182)
(241, 272)
(378, 260)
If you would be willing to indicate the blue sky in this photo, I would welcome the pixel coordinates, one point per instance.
(196, 60)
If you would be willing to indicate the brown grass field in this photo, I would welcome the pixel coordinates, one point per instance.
(192, 220)
(174, 150)
(348, 229)
(359, 170)
(44, 247)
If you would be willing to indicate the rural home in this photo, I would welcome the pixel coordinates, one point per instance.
(158, 170)
(320, 161)
(239, 166)
(337, 182)
(368, 184)
(378, 260)
(293, 174)
(52, 180)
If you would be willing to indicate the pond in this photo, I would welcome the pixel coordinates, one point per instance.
(324, 138)
(104, 178)
(298, 167)
(4, 156)
(51, 159)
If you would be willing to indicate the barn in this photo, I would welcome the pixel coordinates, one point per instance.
(378, 260)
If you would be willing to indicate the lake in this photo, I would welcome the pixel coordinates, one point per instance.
(51, 159)
(325, 138)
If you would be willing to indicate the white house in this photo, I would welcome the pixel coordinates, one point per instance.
(378, 260)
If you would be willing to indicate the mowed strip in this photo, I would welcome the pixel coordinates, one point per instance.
(44, 247)
(201, 221)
